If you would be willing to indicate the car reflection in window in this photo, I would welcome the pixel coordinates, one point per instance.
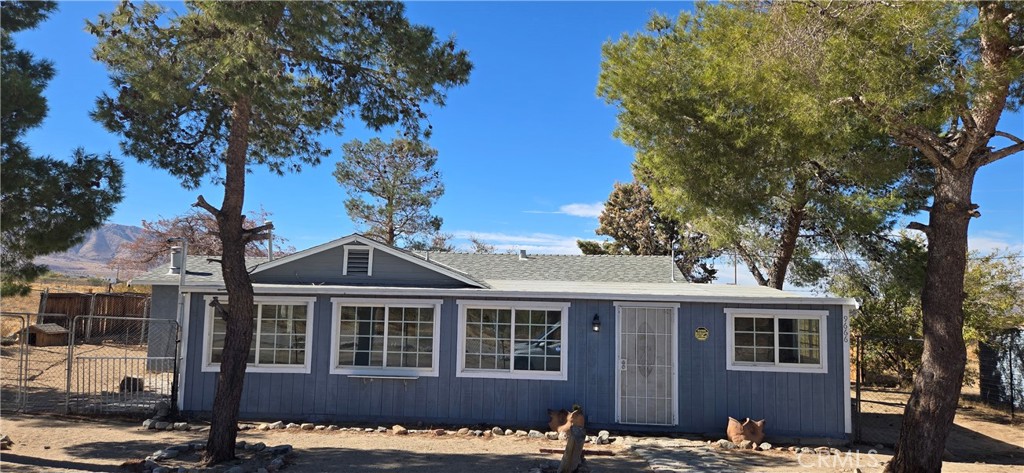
(541, 354)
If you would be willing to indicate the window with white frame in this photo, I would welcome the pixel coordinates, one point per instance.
(282, 329)
(777, 340)
(512, 340)
(385, 337)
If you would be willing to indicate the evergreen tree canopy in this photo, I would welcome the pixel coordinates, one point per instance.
(636, 227)
(733, 134)
(391, 188)
(48, 205)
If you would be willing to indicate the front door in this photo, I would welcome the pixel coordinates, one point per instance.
(646, 382)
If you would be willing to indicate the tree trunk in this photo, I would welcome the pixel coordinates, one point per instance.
(227, 397)
(790, 234)
(928, 416)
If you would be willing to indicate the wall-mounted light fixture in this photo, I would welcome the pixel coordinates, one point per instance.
(596, 324)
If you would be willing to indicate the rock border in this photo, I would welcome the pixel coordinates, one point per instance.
(274, 459)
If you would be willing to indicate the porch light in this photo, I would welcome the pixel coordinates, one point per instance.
(596, 324)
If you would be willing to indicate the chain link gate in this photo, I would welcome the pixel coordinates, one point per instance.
(12, 361)
(37, 354)
(121, 365)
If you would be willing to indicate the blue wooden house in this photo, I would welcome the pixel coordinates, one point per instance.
(357, 331)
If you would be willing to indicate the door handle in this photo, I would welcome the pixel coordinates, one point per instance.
(622, 364)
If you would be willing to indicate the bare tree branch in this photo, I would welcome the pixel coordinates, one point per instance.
(202, 203)
(1008, 136)
(994, 156)
(920, 227)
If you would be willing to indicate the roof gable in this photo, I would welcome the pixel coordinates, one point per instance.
(325, 264)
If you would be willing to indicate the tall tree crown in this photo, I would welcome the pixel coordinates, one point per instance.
(48, 204)
(303, 66)
(391, 187)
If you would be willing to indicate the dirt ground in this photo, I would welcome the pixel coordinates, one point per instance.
(50, 444)
(983, 438)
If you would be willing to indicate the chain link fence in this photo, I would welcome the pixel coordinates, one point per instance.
(121, 365)
(110, 358)
(884, 369)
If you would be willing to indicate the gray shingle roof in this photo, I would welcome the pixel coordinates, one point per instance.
(199, 269)
(584, 268)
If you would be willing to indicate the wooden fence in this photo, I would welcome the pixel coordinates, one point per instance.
(105, 304)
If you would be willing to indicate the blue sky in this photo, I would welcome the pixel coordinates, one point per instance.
(525, 148)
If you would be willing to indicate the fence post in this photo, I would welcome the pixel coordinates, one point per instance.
(42, 300)
(71, 356)
(860, 374)
(88, 323)
(1014, 349)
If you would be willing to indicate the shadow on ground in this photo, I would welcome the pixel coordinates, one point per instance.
(964, 444)
(14, 462)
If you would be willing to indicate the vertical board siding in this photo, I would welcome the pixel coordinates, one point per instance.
(794, 404)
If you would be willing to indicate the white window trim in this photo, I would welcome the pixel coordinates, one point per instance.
(338, 302)
(305, 368)
(511, 373)
(730, 341)
(369, 260)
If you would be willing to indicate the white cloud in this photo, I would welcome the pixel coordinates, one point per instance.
(575, 210)
(542, 243)
(582, 210)
(986, 242)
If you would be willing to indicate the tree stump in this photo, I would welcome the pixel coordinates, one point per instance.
(573, 456)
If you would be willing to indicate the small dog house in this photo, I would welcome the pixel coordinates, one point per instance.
(47, 335)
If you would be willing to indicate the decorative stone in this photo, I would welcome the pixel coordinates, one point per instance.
(382, 429)
(161, 425)
(149, 424)
(464, 431)
(164, 454)
(333, 427)
(320, 427)
(725, 444)
(765, 446)
(535, 434)
(276, 425)
(235, 469)
(603, 437)
(746, 445)
(292, 425)
(307, 426)
(367, 430)
(806, 450)
(241, 444)
(438, 432)
(181, 426)
(497, 431)
(279, 450)
(794, 449)
(258, 446)
(552, 435)
(161, 469)
(477, 433)
(488, 434)
(822, 450)
(399, 430)
(522, 433)
(509, 432)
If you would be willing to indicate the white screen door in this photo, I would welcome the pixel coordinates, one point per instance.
(646, 371)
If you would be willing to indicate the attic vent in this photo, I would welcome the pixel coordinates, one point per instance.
(357, 261)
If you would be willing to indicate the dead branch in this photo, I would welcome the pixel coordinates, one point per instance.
(203, 204)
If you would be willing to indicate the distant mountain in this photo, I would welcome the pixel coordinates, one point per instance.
(90, 257)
